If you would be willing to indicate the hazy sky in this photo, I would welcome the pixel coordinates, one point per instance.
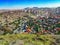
(18, 4)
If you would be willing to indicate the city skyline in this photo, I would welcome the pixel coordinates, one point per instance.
(20, 4)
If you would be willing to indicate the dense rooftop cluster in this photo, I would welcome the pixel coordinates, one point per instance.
(33, 20)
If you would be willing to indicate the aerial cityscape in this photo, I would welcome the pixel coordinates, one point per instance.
(29, 22)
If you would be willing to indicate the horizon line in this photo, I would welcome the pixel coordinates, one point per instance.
(25, 7)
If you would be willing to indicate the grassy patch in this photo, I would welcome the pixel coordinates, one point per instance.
(28, 39)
